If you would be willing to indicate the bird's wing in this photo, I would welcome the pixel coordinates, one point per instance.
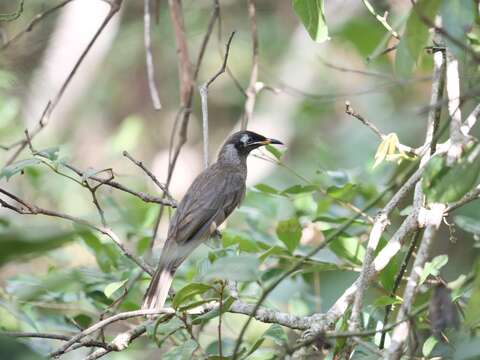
(209, 201)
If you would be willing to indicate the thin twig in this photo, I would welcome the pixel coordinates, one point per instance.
(84, 343)
(36, 19)
(149, 57)
(183, 114)
(52, 104)
(150, 175)
(381, 19)
(101, 324)
(30, 209)
(350, 111)
(203, 89)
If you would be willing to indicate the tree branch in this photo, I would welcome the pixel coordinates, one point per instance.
(149, 57)
(203, 89)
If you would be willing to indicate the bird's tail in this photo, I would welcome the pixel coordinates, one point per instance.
(157, 291)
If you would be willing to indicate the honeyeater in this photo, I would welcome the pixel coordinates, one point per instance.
(210, 199)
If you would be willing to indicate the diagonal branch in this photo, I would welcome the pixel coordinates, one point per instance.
(30, 209)
(203, 89)
(52, 104)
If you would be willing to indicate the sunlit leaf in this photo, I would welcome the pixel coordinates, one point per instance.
(274, 151)
(348, 248)
(188, 292)
(266, 189)
(312, 15)
(472, 311)
(289, 232)
(433, 267)
(111, 288)
(383, 301)
(386, 149)
(428, 345)
(277, 334)
(12, 169)
(300, 189)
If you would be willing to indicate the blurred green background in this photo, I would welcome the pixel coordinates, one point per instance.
(53, 276)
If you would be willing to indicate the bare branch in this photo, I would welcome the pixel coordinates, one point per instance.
(350, 111)
(150, 175)
(83, 343)
(101, 324)
(30, 209)
(203, 89)
(149, 57)
(114, 184)
(453, 91)
(52, 104)
(36, 19)
(400, 334)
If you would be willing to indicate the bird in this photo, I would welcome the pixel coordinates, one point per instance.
(209, 200)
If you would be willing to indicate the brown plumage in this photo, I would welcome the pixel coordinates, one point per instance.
(210, 199)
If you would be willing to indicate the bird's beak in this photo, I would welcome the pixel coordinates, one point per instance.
(273, 141)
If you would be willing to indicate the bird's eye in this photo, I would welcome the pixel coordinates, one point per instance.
(245, 139)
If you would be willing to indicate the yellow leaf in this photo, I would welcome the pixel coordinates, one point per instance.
(386, 148)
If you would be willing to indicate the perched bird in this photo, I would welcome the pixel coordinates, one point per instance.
(211, 198)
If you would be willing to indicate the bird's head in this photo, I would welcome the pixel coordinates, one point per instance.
(239, 145)
(246, 141)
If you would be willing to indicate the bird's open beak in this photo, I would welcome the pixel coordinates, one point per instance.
(271, 141)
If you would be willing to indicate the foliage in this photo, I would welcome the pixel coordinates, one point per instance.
(59, 274)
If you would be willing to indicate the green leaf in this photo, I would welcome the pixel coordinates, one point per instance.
(467, 224)
(383, 301)
(16, 243)
(188, 292)
(348, 248)
(112, 287)
(300, 189)
(312, 15)
(50, 153)
(182, 352)
(274, 250)
(105, 255)
(266, 189)
(236, 268)
(83, 320)
(344, 192)
(274, 151)
(289, 232)
(472, 311)
(415, 36)
(246, 244)
(16, 167)
(214, 313)
(433, 267)
(458, 17)
(447, 184)
(277, 334)
(428, 345)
